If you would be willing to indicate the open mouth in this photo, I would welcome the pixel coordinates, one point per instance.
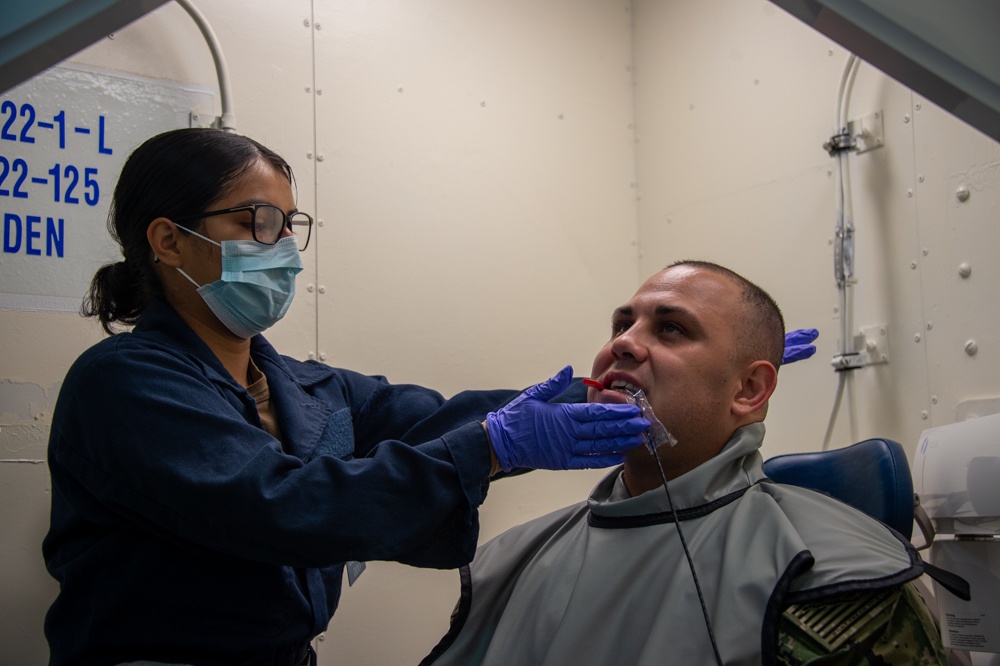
(619, 392)
(617, 385)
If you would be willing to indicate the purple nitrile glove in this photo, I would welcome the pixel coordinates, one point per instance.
(534, 433)
(798, 345)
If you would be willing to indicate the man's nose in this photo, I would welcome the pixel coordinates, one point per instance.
(629, 345)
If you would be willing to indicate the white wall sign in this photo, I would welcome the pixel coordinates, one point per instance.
(64, 136)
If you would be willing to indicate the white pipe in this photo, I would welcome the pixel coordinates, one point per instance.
(228, 119)
(844, 207)
(852, 417)
(833, 413)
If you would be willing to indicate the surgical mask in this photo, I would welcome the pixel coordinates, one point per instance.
(256, 286)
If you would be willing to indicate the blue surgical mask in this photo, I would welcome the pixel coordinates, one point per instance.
(256, 286)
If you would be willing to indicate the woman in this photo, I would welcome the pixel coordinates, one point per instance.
(206, 491)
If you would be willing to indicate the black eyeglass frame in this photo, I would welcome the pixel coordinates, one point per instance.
(253, 221)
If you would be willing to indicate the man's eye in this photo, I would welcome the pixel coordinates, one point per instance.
(670, 327)
(619, 327)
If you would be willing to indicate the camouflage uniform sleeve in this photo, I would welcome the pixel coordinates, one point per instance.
(880, 627)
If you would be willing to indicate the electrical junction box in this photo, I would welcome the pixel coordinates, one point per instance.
(867, 133)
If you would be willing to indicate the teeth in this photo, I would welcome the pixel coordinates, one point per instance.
(624, 386)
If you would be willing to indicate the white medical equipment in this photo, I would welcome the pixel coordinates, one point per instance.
(956, 478)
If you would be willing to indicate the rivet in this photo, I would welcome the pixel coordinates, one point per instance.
(964, 269)
(319, 91)
(924, 414)
(309, 89)
(971, 348)
(310, 288)
(909, 193)
(920, 178)
(320, 223)
(906, 118)
(311, 355)
(319, 157)
(925, 252)
(913, 265)
(933, 399)
(322, 356)
(322, 289)
(305, 23)
(560, 116)
(930, 325)
(111, 36)
(916, 338)
(400, 89)
(483, 103)
(319, 27)
(309, 156)
(918, 106)
(962, 193)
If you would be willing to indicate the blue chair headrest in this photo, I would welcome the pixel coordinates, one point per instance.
(873, 476)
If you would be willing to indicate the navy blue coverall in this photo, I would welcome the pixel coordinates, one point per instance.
(181, 531)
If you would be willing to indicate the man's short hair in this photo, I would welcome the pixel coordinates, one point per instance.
(764, 334)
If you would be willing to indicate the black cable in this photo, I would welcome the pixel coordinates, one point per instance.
(687, 554)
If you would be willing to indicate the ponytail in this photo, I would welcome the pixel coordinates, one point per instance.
(119, 294)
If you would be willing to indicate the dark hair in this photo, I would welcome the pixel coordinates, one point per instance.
(174, 174)
(764, 334)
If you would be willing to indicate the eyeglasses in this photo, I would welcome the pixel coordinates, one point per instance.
(267, 223)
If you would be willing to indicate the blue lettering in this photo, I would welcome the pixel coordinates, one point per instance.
(29, 226)
(101, 148)
(53, 237)
(11, 223)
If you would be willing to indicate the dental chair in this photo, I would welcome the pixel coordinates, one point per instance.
(872, 476)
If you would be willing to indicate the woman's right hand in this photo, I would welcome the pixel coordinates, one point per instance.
(530, 432)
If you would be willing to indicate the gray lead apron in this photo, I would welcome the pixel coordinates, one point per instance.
(606, 581)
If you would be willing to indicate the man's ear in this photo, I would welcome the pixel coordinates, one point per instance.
(759, 381)
(162, 236)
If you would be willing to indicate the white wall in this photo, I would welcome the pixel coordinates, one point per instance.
(474, 189)
(478, 227)
(477, 192)
(734, 100)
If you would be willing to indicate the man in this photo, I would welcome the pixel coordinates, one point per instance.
(728, 567)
